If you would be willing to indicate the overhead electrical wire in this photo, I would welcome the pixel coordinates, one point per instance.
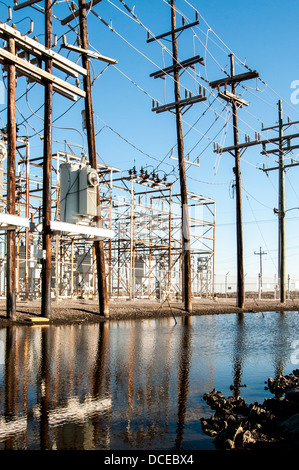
(185, 69)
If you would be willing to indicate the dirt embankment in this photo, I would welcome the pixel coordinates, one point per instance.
(70, 311)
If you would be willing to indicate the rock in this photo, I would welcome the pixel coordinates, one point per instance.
(293, 394)
(291, 425)
(248, 439)
(229, 444)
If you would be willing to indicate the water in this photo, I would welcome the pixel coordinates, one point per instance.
(134, 384)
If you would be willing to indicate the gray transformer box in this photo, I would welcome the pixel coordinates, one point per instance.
(78, 192)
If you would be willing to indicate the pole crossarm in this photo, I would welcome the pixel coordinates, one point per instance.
(234, 79)
(181, 103)
(230, 97)
(39, 50)
(177, 30)
(40, 75)
(277, 167)
(181, 65)
(254, 142)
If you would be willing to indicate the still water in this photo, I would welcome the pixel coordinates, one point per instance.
(134, 384)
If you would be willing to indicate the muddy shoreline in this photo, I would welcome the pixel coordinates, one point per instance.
(74, 311)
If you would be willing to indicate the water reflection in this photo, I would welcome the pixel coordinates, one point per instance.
(183, 378)
(239, 354)
(132, 385)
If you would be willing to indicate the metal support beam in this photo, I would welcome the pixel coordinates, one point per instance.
(98, 233)
(12, 221)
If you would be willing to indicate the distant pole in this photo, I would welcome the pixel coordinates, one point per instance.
(11, 186)
(186, 254)
(98, 244)
(237, 171)
(260, 254)
(281, 244)
(47, 170)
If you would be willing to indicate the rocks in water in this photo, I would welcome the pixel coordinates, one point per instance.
(275, 423)
(283, 383)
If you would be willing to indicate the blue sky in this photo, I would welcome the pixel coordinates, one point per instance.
(261, 34)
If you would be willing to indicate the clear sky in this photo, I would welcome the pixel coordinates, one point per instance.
(263, 35)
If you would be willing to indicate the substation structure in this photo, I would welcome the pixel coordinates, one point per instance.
(143, 259)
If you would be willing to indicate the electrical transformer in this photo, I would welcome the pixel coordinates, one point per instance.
(78, 192)
(88, 182)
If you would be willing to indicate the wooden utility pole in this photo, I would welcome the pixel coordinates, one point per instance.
(11, 186)
(186, 253)
(178, 106)
(260, 254)
(237, 171)
(282, 146)
(47, 170)
(98, 244)
(235, 151)
(281, 215)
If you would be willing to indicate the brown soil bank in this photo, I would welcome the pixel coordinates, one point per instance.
(70, 311)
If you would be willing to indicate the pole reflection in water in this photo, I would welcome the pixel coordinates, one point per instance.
(44, 390)
(133, 384)
(282, 350)
(183, 378)
(239, 354)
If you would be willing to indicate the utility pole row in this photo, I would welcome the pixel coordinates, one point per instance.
(283, 145)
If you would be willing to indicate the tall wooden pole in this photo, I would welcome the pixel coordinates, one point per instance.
(237, 171)
(47, 170)
(281, 245)
(186, 254)
(11, 187)
(98, 245)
